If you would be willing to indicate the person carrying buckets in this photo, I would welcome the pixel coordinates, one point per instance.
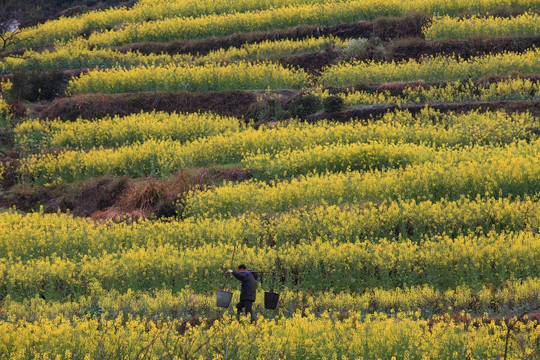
(248, 291)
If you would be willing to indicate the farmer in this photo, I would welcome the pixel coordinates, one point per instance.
(247, 292)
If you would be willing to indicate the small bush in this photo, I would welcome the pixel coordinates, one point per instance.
(270, 108)
(364, 49)
(304, 105)
(166, 210)
(37, 85)
(6, 114)
(333, 104)
(356, 47)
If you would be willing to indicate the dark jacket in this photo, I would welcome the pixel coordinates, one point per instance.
(249, 285)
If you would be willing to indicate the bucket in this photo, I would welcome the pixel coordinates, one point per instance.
(223, 298)
(271, 300)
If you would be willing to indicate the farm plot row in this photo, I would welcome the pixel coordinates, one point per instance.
(37, 235)
(451, 92)
(268, 152)
(431, 69)
(458, 28)
(211, 77)
(79, 54)
(504, 175)
(441, 261)
(378, 336)
(186, 303)
(326, 14)
(191, 19)
(34, 135)
(66, 29)
(267, 75)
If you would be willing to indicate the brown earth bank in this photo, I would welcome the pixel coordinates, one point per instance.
(232, 103)
(416, 48)
(256, 105)
(369, 112)
(119, 198)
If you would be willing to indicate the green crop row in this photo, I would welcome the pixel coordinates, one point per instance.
(452, 92)
(440, 261)
(512, 295)
(433, 68)
(118, 131)
(68, 28)
(244, 75)
(502, 174)
(162, 157)
(39, 235)
(446, 27)
(211, 77)
(158, 21)
(79, 55)
(302, 336)
(327, 13)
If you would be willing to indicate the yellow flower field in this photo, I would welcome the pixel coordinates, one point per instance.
(375, 162)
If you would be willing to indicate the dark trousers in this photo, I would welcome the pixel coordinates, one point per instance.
(248, 308)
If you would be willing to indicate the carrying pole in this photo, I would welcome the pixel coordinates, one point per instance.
(232, 262)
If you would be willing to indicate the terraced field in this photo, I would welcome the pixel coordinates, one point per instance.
(377, 162)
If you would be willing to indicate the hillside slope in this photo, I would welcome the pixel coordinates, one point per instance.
(376, 162)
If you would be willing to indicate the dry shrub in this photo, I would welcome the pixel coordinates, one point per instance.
(144, 195)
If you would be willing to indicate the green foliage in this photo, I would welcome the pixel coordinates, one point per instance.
(304, 105)
(333, 103)
(36, 85)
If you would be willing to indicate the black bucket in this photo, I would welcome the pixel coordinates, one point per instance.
(223, 298)
(271, 300)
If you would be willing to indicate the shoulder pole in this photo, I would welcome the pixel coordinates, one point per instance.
(232, 262)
